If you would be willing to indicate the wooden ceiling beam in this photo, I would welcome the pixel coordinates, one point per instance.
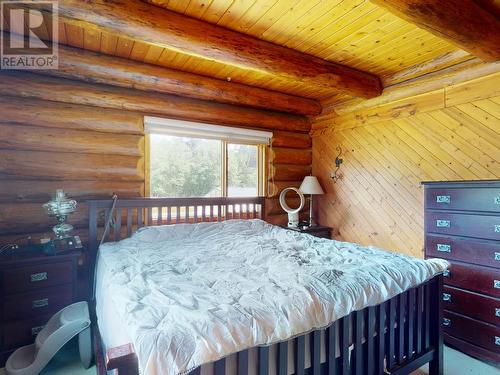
(34, 86)
(147, 23)
(89, 66)
(462, 22)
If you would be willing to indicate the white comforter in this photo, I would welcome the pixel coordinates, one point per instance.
(191, 294)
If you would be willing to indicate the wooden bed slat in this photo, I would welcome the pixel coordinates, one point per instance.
(358, 343)
(220, 367)
(282, 358)
(150, 216)
(118, 224)
(370, 341)
(300, 355)
(129, 222)
(381, 349)
(420, 318)
(263, 368)
(169, 217)
(344, 335)
(159, 219)
(316, 352)
(400, 338)
(410, 333)
(427, 320)
(391, 354)
(139, 218)
(331, 337)
(242, 359)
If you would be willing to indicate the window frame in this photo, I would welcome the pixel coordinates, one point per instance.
(262, 170)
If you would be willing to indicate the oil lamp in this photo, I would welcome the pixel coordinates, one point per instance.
(61, 207)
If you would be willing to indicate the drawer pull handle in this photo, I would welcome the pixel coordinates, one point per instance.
(497, 228)
(447, 297)
(496, 284)
(446, 322)
(39, 303)
(497, 312)
(446, 273)
(35, 277)
(496, 200)
(497, 256)
(443, 248)
(443, 223)
(443, 199)
(36, 330)
(497, 340)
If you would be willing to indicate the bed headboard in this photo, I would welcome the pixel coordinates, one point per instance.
(132, 214)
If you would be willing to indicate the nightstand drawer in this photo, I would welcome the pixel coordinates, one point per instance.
(22, 332)
(43, 301)
(472, 304)
(42, 275)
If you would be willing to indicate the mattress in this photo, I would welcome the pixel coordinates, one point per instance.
(189, 294)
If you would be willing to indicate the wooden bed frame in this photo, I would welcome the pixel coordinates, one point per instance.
(411, 321)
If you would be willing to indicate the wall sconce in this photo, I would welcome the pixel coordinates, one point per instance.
(338, 161)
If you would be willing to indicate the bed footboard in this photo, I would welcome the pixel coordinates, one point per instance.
(413, 336)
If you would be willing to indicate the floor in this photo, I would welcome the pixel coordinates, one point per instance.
(67, 362)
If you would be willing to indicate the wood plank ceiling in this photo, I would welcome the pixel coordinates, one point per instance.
(356, 33)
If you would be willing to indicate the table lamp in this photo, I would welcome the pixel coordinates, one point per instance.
(311, 186)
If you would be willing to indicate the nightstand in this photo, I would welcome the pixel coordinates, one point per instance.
(32, 288)
(317, 231)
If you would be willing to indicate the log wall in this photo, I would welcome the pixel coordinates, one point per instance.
(56, 133)
(448, 134)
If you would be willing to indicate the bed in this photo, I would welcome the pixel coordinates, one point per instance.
(205, 286)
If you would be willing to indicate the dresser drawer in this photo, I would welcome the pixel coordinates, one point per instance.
(482, 334)
(42, 275)
(475, 305)
(475, 278)
(42, 301)
(482, 252)
(22, 332)
(469, 199)
(481, 226)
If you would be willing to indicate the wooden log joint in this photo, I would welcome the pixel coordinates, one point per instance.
(93, 67)
(34, 86)
(141, 21)
(462, 22)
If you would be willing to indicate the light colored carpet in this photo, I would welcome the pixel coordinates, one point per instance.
(457, 363)
(67, 362)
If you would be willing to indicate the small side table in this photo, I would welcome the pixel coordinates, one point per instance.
(33, 287)
(317, 231)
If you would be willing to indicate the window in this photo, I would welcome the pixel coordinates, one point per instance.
(198, 160)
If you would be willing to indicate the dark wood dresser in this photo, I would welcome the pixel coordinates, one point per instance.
(462, 225)
(32, 289)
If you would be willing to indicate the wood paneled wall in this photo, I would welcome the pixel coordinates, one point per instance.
(448, 134)
(91, 151)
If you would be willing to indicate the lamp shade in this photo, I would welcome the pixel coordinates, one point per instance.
(310, 185)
